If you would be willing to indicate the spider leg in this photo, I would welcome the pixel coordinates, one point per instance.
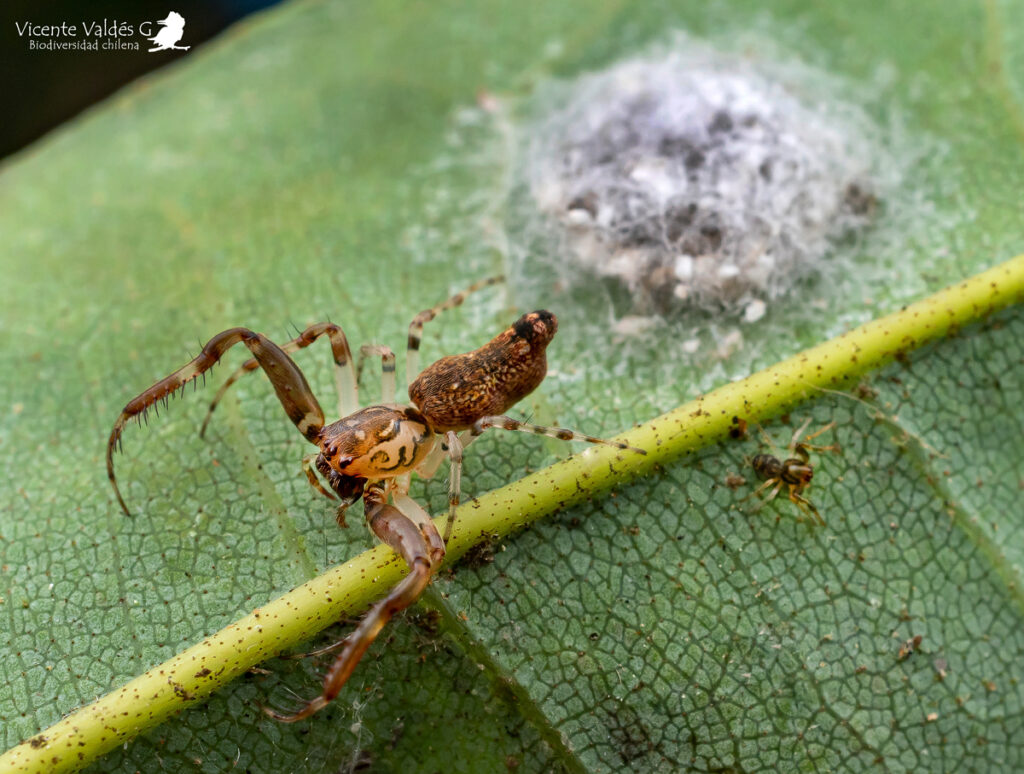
(290, 385)
(814, 435)
(800, 431)
(415, 512)
(310, 470)
(348, 401)
(805, 505)
(387, 368)
(802, 447)
(832, 447)
(414, 546)
(765, 437)
(433, 461)
(398, 490)
(316, 652)
(455, 447)
(761, 503)
(760, 489)
(561, 433)
(454, 480)
(399, 485)
(802, 450)
(412, 358)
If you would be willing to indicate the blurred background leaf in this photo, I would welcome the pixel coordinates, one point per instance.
(312, 163)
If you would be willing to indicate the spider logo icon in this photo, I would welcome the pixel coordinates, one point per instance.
(173, 30)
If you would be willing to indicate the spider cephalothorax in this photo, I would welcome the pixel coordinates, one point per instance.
(372, 452)
(377, 442)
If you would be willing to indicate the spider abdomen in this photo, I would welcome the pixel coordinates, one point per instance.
(457, 390)
(766, 466)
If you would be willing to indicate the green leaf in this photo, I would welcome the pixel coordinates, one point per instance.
(301, 168)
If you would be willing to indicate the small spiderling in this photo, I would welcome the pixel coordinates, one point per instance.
(909, 647)
(794, 472)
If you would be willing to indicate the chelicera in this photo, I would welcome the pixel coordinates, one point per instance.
(371, 453)
(794, 472)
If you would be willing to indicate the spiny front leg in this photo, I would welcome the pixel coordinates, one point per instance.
(421, 552)
(290, 385)
(348, 399)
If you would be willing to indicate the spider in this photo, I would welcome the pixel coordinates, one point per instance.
(794, 472)
(370, 453)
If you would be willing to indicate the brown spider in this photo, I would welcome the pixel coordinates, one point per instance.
(372, 452)
(794, 472)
